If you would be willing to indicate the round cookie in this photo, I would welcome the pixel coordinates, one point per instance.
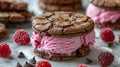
(7, 16)
(114, 26)
(55, 57)
(63, 24)
(56, 7)
(60, 2)
(81, 52)
(12, 5)
(3, 30)
(107, 4)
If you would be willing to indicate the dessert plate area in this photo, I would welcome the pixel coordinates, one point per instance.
(98, 47)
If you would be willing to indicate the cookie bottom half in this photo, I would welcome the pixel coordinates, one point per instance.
(81, 52)
(115, 26)
(67, 7)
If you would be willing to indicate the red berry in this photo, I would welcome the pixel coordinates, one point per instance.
(43, 64)
(82, 65)
(5, 50)
(107, 35)
(21, 37)
(105, 59)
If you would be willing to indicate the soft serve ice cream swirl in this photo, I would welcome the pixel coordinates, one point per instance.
(53, 45)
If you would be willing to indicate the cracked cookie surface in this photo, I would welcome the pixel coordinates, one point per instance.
(63, 24)
(107, 4)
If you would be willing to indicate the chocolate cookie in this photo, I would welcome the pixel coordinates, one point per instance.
(14, 16)
(3, 30)
(107, 4)
(55, 57)
(12, 5)
(60, 2)
(63, 24)
(81, 52)
(66, 7)
(26, 14)
(115, 26)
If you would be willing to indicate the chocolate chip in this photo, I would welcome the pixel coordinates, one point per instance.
(10, 58)
(28, 65)
(19, 27)
(88, 61)
(21, 55)
(110, 44)
(33, 61)
(43, 12)
(18, 65)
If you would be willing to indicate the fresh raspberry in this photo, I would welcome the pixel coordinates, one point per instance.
(107, 35)
(105, 59)
(82, 65)
(5, 50)
(43, 64)
(21, 37)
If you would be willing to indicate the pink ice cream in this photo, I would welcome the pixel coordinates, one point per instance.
(100, 15)
(53, 45)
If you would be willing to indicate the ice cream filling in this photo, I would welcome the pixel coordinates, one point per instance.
(100, 15)
(67, 46)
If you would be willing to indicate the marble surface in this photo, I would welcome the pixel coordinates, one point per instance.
(11, 61)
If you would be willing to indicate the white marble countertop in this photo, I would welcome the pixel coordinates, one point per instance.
(28, 51)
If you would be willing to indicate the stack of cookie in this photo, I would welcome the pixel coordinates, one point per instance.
(13, 11)
(60, 5)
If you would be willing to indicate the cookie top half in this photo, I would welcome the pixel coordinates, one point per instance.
(107, 4)
(12, 5)
(62, 24)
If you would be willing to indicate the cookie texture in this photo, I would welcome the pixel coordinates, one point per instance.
(7, 16)
(115, 26)
(107, 4)
(63, 24)
(81, 52)
(75, 6)
(55, 57)
(12, 5)
(27, 15)
(3, 30)
(60, 2)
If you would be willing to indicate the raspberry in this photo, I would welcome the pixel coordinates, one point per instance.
(105, 59)
(43, 64)
(21, 37)
(82, 65)
(107, 35)
(5, 50)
